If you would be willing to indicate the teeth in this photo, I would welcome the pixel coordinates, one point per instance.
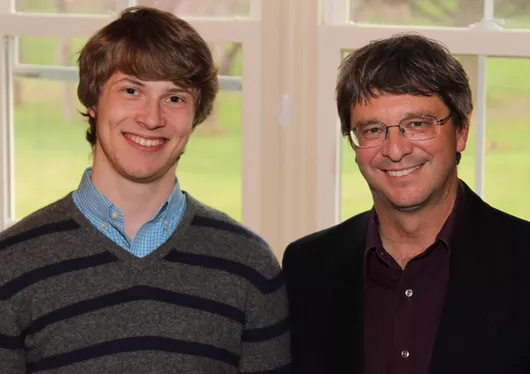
(145, 142)
(401, 173)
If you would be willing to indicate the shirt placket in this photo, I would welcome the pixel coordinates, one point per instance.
(403, 356)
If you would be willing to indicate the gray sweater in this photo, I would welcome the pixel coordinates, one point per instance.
(209, 300)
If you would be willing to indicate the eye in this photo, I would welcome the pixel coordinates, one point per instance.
(418, 124)
(130, 91)
(176, 99)
(370, 130)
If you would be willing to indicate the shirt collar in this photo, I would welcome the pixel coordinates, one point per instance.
(447, 234)
(451, 226)
(93, 201)
(373, 240)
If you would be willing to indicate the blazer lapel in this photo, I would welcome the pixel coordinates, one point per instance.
(346, 299)
(469, 319)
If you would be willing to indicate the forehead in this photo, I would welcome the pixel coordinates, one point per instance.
(393, 106)
(119, 77)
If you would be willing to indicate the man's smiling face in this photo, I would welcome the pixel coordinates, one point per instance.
(142, 127)
(404, 174)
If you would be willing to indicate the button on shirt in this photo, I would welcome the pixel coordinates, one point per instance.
(403, 306)
(109, 219)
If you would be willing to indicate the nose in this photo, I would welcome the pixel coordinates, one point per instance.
(396, 145)
(150, 114)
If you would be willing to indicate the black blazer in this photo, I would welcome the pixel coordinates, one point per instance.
(485, 322)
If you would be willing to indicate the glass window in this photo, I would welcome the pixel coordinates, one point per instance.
(37, 50)
(70, 6)
(210, 169)
(182, 8)
(513, 14)
(459, 13)
(202, 8)
(355, 194)
(50, 150)
(507, 161)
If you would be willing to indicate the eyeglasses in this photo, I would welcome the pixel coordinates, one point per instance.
(414, 128)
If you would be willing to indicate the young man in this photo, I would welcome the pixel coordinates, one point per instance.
(432, 279)
(128, 273)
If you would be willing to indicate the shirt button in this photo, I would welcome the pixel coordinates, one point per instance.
(114, 214)
(409, 293)
(165, 223)
(104, 225)
(405, 353)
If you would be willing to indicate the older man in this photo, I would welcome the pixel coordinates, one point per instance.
(432, 279)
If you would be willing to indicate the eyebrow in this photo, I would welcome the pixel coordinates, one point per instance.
(129, 80)
(416, 113)
(139, 83)
(366, 122)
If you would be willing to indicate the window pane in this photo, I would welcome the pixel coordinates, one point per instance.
(183, 8)
(69, 6)
(507, 163)
(49, 51)
(202, 8)
(514, 14)
(51, 151)
(210, 169)
(355, 194)
(459, 13)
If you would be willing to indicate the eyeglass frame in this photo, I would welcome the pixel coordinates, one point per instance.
(439, 122)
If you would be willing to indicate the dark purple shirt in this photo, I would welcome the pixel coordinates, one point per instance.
(402, 306)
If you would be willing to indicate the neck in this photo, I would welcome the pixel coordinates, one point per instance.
(406, 234)
(138, 202)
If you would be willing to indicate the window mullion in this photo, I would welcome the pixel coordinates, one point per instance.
(480, 111)
(480, 114)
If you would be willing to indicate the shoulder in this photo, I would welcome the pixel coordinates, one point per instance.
(215, 234)
(37, 236)
(54, 218)
(328, 246)
(492, 222)
(494, 238)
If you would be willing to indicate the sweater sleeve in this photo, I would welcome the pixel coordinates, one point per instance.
(12, 354)
(266, 340)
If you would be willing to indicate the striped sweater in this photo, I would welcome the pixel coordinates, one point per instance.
(210, 300)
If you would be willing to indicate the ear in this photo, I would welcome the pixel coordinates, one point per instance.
(461, 135)
(92, 111)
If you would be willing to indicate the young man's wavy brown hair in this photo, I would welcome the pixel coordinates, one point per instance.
(403, 64)
(148, 44)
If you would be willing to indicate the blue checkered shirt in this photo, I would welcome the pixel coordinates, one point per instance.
(109, 219)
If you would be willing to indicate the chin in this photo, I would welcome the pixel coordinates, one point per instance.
(408, 206)
(142, 175)
(409, 203)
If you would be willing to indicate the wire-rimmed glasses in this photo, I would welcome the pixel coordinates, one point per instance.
(415, 128)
